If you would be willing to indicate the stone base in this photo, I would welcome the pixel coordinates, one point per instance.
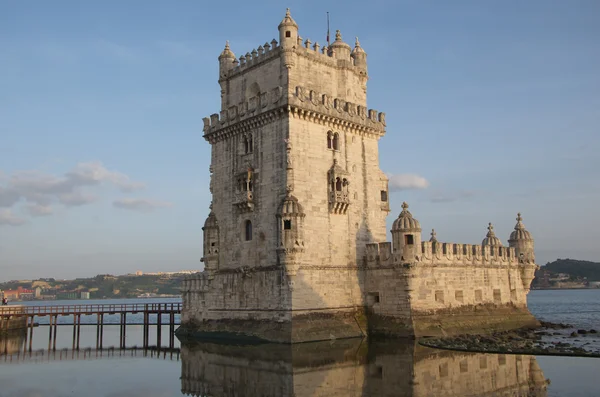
(477, 319)
(303, 328)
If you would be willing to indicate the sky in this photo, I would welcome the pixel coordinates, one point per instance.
(493, 108)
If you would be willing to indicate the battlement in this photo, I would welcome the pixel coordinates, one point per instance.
(324, 104)
(381, 254)
(261, 103)
(197, 282)
(256, 57)
(309, 100)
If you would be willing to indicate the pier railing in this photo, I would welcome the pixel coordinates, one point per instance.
(69, 310)
(73, 313)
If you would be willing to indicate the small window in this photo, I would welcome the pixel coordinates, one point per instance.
(383, 195)
(329, 140)
(409, 239)
(248, 230)
(336, 141)
(497, 296)
(439, 296)
(478, 295)
(458, 295)
(287, 224)
(288, 33)
(213, 244)
(483, 362)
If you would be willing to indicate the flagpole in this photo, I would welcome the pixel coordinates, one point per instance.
(328, 30)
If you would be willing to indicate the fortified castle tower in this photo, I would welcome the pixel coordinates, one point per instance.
(294, 245)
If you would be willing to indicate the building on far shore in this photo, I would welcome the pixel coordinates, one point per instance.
(295, 243)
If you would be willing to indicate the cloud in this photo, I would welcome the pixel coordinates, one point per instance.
(141, 205)
(41, 191)
(39, 210)
(8, 218)
(406, 181)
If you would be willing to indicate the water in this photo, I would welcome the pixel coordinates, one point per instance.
(339, 368)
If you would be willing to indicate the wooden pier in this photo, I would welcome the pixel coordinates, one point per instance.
(75, 312)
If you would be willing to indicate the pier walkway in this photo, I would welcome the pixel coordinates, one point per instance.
(72, 315)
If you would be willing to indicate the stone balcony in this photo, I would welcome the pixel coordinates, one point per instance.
(244, 201)
(339, 201)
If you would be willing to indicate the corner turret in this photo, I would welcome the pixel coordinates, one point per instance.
(406, 235)
(227, 61)
(360, 57)
(339, 49)
(490, 238)
(211, 245)
(288, 31)
(521, 240)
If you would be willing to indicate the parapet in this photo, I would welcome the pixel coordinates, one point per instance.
(325, 105)
(255, 105)
(380, 254)
(194, 283)
(254, 58)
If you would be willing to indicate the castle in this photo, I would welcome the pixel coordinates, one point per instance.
(294, 245)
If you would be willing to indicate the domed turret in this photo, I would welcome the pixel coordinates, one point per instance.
(288, 31)
(360, 57)
(521, 240)
(211, 244)
(226, 60)
(405, 221)
(490, 238)
(290, 207)
(406, 235)
(520, 233)
(340, 49)
(290, 234)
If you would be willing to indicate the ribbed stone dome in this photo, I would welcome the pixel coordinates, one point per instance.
(288, 20)
(357, 48)
(491, 239)
(339, 43)
(520, 233)
(211, 220)
(227, 53)
(406, 222)
(290, 207)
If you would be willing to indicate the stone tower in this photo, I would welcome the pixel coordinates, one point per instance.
(295, 176)
(294, 132)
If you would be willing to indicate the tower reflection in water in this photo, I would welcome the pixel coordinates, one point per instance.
(354, 368)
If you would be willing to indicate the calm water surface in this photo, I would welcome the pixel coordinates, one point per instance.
(340, 368)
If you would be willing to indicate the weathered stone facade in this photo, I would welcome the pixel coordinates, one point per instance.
(294, 245)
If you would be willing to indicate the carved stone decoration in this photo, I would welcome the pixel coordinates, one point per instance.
(300, 93)
(314, 98)
(276, 94)
(263, 100)
(338, 187)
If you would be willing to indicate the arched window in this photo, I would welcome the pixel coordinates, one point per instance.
(345, 184)
(248, 230)
(248, 144)
(329, 140)
(338, 184)
(336, 141)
